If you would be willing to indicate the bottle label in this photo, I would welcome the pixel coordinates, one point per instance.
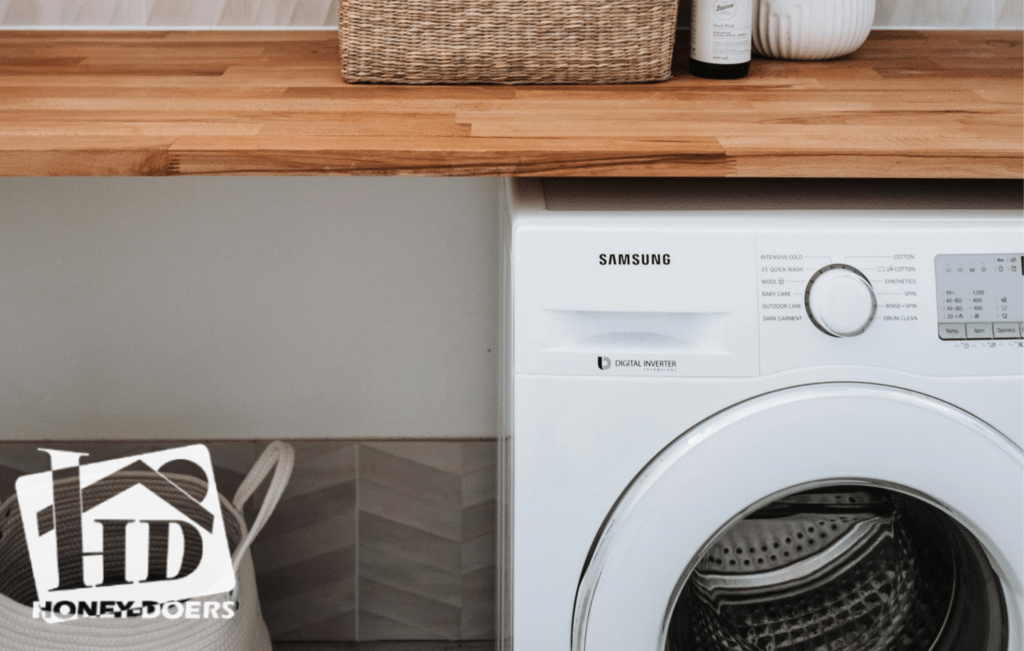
(720, 31)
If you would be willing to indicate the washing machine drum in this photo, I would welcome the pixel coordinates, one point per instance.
(841, 568)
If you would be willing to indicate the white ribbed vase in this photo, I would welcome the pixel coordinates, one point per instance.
(811, 30)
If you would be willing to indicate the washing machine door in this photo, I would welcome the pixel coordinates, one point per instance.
(926, 554)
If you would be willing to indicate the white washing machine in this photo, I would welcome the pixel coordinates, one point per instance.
(753, 416)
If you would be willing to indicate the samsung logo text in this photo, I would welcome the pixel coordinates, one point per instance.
(635, 259)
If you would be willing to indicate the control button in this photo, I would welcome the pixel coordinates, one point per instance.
(979, 330)
(840, 301)
(1006, 330)
(952, 331)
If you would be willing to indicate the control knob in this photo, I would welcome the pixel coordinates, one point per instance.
(840, 301)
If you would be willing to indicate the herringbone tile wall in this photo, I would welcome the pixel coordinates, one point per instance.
(305, 556)
(371, 541)
(426, 540)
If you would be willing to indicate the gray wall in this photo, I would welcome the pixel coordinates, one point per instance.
(240, 308)
(976, 14)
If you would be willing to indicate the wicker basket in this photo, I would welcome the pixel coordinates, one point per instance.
(506, 41)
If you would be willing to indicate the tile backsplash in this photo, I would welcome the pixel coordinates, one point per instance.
(970, 14)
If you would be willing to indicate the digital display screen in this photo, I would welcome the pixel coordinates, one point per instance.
(980, 296)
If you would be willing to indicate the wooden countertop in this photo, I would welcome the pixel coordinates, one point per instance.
(907, 104)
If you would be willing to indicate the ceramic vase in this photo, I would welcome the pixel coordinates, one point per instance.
(809, 30)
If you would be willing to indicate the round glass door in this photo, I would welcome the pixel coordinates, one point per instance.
(830, 517)
(846, 567)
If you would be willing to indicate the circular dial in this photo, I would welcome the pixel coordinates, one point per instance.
(840, 301)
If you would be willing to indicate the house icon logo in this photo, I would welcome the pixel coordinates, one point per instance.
(145, 528)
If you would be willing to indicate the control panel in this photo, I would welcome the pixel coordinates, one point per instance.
(662, 281)
(980, 296)
(891, 295)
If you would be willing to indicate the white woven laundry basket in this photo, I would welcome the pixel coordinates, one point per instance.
(246, 631)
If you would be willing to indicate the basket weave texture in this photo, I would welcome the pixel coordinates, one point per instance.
(506, 41)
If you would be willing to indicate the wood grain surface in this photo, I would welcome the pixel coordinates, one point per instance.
(907, 104)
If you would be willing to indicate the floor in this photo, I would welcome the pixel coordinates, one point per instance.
(385, 646)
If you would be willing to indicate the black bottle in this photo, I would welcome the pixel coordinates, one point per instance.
(720, 38)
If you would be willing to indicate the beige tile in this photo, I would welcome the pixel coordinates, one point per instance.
(409, 543)
(407, 608)
(236, 456)
(478, 604)
(400, 474)
(333, 601)
(477, 455)
(341, 627)
(374, 628)
(313, 526)
(313, 599)
(478, 553)
(439, 519)
(319, 464)
(931, 13)
(8, 476)
(478, 621)
(479, 520)
(440, 455)
(304, 576)
(410, 576)
(24, 458)
(479, 486)
(1009, 14)
(305, 543)
(311, 509)
(100, 13)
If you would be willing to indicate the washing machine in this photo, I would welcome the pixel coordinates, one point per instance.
(756, 415)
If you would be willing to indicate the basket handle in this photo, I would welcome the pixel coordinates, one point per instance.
(279, 457)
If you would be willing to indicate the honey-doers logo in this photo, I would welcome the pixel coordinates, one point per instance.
(126, 532)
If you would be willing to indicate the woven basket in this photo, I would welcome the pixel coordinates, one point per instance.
(245, 632)
(506, 41)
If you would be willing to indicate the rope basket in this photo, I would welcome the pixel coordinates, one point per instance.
(506, 41)
(246, 631)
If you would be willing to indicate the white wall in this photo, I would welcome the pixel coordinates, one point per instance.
(247, 308)
(972, 14)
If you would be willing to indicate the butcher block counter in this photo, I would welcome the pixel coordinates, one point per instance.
(907, 104)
